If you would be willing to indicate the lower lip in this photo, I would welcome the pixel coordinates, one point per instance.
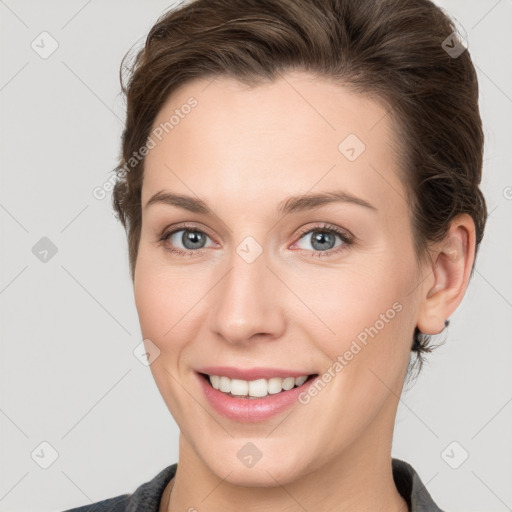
(247, 410)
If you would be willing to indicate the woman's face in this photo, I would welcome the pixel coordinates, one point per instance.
(253, 282)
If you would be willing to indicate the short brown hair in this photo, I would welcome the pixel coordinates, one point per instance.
(394, 50)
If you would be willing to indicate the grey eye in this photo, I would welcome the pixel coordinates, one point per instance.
(190, 239)
(321, 239)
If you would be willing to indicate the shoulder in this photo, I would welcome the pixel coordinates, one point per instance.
(411, 488)
(117, 504)
(146, 498)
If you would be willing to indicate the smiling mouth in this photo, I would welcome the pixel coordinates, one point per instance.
(254, 389)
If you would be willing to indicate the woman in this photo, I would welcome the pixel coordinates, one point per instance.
(256, 132)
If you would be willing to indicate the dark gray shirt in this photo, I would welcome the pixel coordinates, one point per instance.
(146, 497)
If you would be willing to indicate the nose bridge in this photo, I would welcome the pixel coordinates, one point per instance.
(244, 303)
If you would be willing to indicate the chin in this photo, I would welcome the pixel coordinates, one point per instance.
(264, 475)
(249, 466)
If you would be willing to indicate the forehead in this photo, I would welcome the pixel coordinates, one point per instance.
(296, 134)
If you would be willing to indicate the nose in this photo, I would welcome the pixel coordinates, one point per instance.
(247, 303)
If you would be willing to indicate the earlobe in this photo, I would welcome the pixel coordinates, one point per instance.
(450, 271)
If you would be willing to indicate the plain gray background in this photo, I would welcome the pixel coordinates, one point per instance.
(69, 325)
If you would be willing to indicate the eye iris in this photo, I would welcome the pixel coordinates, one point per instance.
(192, 239)
(322, 237)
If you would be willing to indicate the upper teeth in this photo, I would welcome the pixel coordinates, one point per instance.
(255, 388)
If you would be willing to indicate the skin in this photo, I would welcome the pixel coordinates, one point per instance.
(243, 151)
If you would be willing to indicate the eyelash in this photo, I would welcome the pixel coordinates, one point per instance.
(329, 228)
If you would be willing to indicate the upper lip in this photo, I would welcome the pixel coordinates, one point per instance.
(251, 373)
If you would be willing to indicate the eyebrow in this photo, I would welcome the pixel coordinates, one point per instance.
(290, 205)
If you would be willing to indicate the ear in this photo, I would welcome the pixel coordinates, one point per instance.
(449, 273)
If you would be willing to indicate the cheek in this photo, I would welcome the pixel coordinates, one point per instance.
(164, 300)
(371, 317)
(152, 305)
(164, 295)
(363, 312)
(169, 301)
